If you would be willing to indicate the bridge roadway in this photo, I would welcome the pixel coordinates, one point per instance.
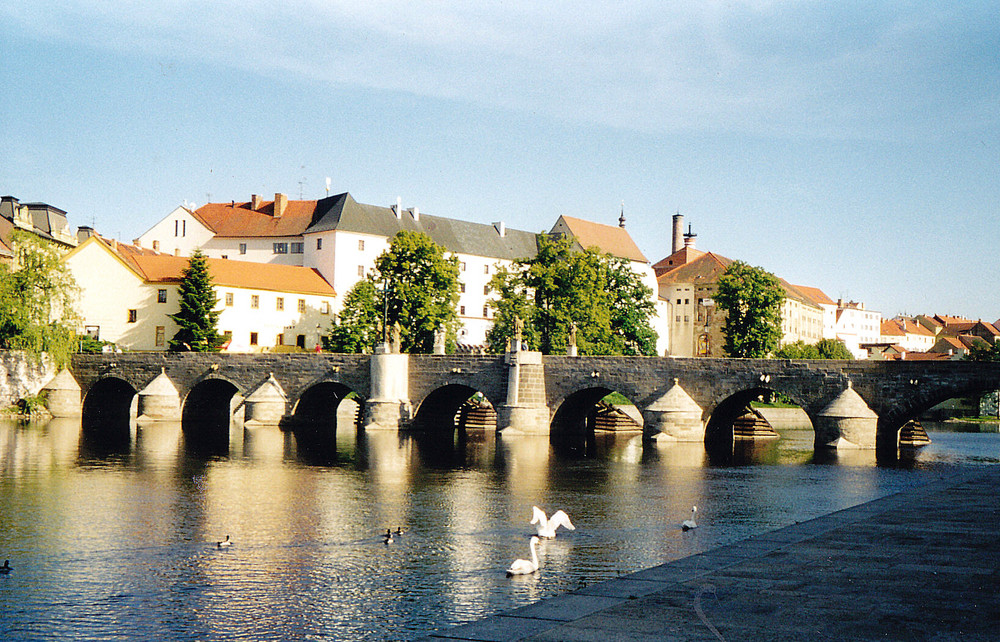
(919, 565)
(680, 399)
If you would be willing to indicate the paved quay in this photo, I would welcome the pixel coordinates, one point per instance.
(923, 564)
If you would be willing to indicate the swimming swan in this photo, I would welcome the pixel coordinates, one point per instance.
(525, 567)
(688, 524)
(226, 543)
(6, 568)
(547, 527)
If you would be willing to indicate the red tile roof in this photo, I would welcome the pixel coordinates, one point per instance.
(239, 219)
(706, 268)
(157, 267)
(609, 239)
(681, 257)
(815, 294)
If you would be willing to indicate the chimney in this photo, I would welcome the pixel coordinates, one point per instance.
(416, 213)
(678, 233)
(280, 204)
(689, 239)
(84, 232)
(500, 228)
(255, 202)
(398, 209)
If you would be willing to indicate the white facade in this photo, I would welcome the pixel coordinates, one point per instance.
(179, 234)
(118, 303)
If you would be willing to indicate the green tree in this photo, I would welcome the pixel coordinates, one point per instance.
(562, 287)
(751, 297)
(37, 293)
(358, 328)
(197, 318)
(823, 349)
(983, 352)
(415, 284)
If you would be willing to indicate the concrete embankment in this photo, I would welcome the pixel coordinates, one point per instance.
(21, 375)
(918, 565)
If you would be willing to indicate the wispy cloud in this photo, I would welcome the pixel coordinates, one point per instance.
(768, 68)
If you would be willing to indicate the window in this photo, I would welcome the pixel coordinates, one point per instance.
(302, 305)
(461, 310)
(177, 228)
(486, 269)
(133, 315)
(254, 301)
(229, 299)
(184, 227)
(297, 248)
(243, 248)
(486, 289)
(461, 288)
(319, 244)
(156, 246)
(361, 270)
(160, 336)
(361, 245)
(92, 331)
(253, 338)
(324, 307)
(486, 312)
(227, 337)
(678, 301)
(687, 301)
(161, 296)
(279, 340)
(461, 266)
(225, 256)
(300, 340)
(279, 303)
(280, 248)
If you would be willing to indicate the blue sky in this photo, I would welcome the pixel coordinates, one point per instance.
(853, 147)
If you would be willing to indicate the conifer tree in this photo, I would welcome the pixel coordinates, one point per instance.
(198, 319)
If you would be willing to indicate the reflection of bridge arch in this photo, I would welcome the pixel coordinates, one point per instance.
(317, 406)
(719, 427)
(108, 401)
(580, 413)
(455, 406)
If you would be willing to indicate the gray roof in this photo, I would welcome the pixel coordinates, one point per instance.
(343, 213)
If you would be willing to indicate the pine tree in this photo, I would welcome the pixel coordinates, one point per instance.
(198, 319)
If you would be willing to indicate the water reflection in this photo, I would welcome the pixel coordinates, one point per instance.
(123, 520)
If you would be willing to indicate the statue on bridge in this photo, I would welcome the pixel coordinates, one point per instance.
(396, 341)
(518, 332)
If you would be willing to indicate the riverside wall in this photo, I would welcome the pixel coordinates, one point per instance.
(22, 375)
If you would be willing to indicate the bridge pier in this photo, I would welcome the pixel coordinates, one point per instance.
(62, 395)
(159, 400)
(675, 416)
(525, 410)
(388, 407)
(847, 422)
(266, 405)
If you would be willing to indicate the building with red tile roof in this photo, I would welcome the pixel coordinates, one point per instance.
(127, 294)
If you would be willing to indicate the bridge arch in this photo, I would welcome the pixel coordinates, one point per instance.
(720, 429)
(207, 411)
(582, 412)
(318, 406)
(109, 401)
(455, 406)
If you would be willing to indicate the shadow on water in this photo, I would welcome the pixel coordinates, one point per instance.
(206, 439)
(105, 440)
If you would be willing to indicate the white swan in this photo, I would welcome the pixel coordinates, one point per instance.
(546, 527)
(226, 543)
(525, 567)
(688, 524)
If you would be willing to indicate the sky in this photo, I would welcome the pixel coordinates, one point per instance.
(849, 146)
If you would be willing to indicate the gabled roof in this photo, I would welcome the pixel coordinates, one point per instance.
(156, 267)
(795, 293)
(240, 219)
(343, 213)
(681, 257)
(816, 295)
(705, 269)
(902, 327)
(610, 239)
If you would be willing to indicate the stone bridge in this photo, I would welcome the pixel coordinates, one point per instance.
(850, 403)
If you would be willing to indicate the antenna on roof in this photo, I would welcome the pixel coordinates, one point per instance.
(327, 185)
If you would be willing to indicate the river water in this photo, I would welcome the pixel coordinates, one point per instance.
(119, 541)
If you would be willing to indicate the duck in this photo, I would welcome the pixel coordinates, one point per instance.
(399, 530)
(546, 527)
(688, 524)
(226, 543)
(6, 568)
(525, 567)
(387, 538)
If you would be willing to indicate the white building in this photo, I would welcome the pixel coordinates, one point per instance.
(341, 239)
(127, 294)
